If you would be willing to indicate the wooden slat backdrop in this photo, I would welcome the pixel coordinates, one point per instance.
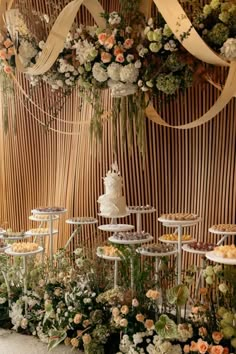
(192, 171)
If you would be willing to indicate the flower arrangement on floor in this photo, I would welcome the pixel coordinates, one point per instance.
(136, 59)
(69, 304)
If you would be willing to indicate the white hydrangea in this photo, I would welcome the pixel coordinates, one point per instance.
(99, 73)
(113, 71)
(114, 18)
(229, 48)
(137, 338)
(85, 51)
(119, 89)
(129, 73)
(16, 315)
(27, 50)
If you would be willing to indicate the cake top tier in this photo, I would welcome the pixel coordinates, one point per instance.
(113, 181)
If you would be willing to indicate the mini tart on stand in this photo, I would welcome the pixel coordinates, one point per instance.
(227, 251)
(24, 247)
(180, 216)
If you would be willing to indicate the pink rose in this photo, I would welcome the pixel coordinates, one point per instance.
(109, 42)
(106, 57)
(128, 43)
(7, 69)
(120, 58)
(3, 54)
(118, 50)
(102, 38)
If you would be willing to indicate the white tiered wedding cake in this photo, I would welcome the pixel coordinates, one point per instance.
(113, 203)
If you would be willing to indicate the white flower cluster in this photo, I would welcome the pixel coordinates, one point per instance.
(114, 18)
(16, 314)
(85, 51)
(26, 52)
(228, 50)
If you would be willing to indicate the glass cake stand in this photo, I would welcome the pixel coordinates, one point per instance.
(79, 222)
(51, 214)
(139, 210)
(179, 224)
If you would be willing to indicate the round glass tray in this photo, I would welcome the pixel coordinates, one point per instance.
(12, 253)
(140, 210)
(109, 258)
(191, 250)
(31, 233)
(130, 242)
(81, 221)
(155, 254)
(113, 217)
(49, 211)
(217, 232)
(172, 223)
(14, 238)
(175, 242)
(44, 219)
(213, 257)
(116, 227)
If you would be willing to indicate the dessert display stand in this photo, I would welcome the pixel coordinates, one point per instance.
(41, 235)
(116, 260)
(50, 214)
(224, 234)
(157, 256)
(79, 222)
(179, 224)
(24, 256)
(139, 210)
(217, 259)
(133, 244)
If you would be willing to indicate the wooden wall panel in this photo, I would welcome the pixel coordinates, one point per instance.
(191, 170)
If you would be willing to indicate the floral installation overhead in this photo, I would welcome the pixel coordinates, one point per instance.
(78, 306)
(137, 59)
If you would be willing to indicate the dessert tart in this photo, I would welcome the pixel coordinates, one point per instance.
(224, 227)
(131, 236)
(180, 216)
(158, 248)
(109, 251)
(11, 233)
(174, 237)
(202, 246)
(24, 247)
(227, 251)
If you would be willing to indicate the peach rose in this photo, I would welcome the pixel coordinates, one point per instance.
(74, 342)
(106, 57)
(153, 294)
(124, 309)
(8, 43)
(193, 346)
(109, 42)
(102, 38)
(140, 317)
(78, 318)
(120, 58)
(202, 346)
(217, 349)
(128, 43)
(118, 50)
(149, 324)
(217, 336)
(3, 54)
(186, 349)
(123, 322)
(86, 323)
(115, 311)
(202, 331)
(7, 69)
(86, 338)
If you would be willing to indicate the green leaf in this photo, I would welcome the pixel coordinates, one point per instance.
(166, 328)
(178, 295)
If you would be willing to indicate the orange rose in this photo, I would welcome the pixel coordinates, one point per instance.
(193, 347)
(149, 324)
(217, 336)
(140, 317)
(217, 349)
(202, 346)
